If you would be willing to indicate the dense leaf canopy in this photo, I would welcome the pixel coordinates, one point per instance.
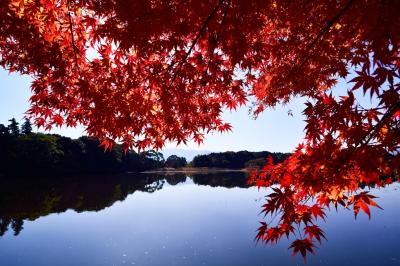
(144, 72)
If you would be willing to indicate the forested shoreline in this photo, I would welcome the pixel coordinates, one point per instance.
(24, 152)
(237, 160)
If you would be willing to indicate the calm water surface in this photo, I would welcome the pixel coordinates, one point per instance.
(172, 220)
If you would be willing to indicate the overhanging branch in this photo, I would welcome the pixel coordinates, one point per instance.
(196, 39)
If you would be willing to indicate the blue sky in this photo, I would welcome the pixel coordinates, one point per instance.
(274, 130)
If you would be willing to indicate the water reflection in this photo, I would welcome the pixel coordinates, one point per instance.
(31, 198)
(172, 220)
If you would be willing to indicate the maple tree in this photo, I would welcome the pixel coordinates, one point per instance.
(144, 72)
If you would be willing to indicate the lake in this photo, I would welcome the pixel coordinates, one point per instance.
(138, 219)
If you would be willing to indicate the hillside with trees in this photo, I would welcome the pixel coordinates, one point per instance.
(237, 160)
(25, 152)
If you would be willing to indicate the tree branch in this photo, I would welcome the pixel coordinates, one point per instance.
(329, 25)
(73, 42)
(194, 42)
(298, 63)
(218, 34)
(371, 133)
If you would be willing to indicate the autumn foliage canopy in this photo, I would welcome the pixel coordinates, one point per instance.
(144, 72)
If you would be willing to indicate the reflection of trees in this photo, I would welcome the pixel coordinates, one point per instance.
(228, 180)
(4, 223)
(175, 179)
(31, 198)
(16, 224)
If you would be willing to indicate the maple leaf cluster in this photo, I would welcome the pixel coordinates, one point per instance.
(138, 72)
(144, 72)
(301, 196)
(347, 143)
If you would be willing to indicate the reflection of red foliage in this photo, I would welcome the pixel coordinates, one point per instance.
(303, 246)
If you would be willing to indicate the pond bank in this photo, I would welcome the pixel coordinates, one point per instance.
(195, 170)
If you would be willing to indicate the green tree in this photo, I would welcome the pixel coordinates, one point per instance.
(13, 127)
(175, 161)
(4, 130)
(152, 159)
(95, 160)
(26, 127)
(37, 153)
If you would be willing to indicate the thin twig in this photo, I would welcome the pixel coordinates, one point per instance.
(218, 34)
(371, 133)
(298, 229)
(73, 42)
(182, 2)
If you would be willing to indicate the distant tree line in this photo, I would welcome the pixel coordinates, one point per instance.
(237, 160)
(22, 152)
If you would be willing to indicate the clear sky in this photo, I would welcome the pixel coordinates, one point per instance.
(274, 130)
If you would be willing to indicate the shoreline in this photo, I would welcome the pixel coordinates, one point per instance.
(199, 170)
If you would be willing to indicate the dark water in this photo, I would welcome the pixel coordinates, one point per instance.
(172, 220)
